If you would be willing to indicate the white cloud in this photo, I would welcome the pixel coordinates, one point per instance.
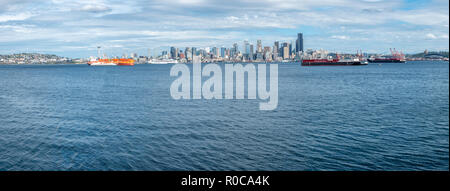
(444, 36)
(340, 37)
(95, 8)
(431, 36)
(190, 2)
(15, 17)
(434, 36)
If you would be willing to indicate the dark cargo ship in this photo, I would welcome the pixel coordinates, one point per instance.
(386, 60)
(333, 62)
(396, 57)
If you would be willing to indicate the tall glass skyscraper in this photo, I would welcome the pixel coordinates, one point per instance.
(173, 52)
(299, 42)
(222, 52)
(246, 47)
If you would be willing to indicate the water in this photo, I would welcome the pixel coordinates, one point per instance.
(76, 117)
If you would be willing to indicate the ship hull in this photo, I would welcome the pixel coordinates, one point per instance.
(386, 61)
(350, 63)
(163, 62)
(125, 64)
(102, 64)
(112, 62)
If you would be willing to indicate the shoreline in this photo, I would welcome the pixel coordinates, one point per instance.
(293, 62)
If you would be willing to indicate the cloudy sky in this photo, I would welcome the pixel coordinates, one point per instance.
(74, 28)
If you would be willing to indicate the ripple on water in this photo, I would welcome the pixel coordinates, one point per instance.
(73, 117)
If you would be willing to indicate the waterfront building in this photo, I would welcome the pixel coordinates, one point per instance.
(259, 57)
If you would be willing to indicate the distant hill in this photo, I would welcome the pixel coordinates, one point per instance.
(428, 54)
(33, 58)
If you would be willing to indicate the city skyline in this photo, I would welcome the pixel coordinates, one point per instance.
(75, 29)
(245, 53)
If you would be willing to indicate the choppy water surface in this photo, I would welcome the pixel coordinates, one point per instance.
(76, 117)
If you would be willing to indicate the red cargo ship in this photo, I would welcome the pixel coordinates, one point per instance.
(112, 62)
(332, 62)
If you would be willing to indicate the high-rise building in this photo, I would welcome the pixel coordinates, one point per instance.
(259, 46)
(173, 52)
(194, 52)
(222, 52)
(234, 50)
(267, 53)
(250, 55)
(290, 48)
(278, 49)
(275, 52)
(267, 49)
(299, 43)
(215, 52)
(246, 53)
(188, 53)
(285, 52)
(246, 47)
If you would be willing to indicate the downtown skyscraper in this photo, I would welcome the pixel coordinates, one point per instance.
(299, 43)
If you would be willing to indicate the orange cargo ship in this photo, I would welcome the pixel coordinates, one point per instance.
(112, 62)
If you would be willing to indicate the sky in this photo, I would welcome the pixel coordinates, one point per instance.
(75, 28)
